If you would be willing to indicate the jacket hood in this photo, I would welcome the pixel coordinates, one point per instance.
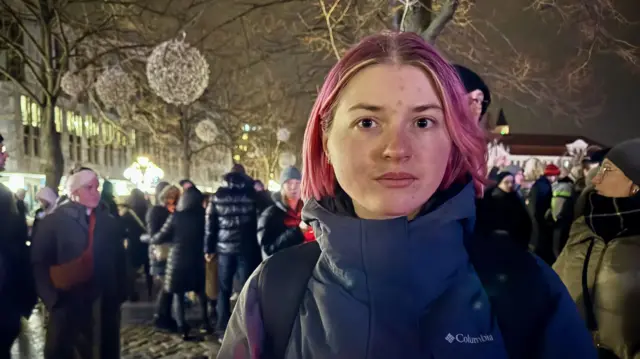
(416, 260)
(191, 198)
(238, 180)
(46, 194)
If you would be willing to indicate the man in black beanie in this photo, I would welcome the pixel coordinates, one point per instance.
(477, 91)
(626, 156)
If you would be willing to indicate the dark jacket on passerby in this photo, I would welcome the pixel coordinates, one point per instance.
(278, 226)
(156, 216)
(264, 200)
(184, 231)
(63, 237)
(499, 211)
(232, 217)
(17, 291)
(539, 204)
(107, 197)
(603, 263)
(134, 224)
(399, 289)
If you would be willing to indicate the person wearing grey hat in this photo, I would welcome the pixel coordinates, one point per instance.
(604, 244)
(280, 226)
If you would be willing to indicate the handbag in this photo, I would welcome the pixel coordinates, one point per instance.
(592, 324)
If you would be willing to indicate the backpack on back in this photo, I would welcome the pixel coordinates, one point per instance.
(519, 294)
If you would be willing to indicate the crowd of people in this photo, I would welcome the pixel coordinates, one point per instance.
(395, 240)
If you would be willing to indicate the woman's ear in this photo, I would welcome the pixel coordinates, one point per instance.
(325, 149)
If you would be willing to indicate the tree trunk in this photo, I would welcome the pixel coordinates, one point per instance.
(52, 149)
(185, 169)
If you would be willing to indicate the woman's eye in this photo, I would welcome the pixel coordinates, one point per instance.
(424, 123)
(366, 123)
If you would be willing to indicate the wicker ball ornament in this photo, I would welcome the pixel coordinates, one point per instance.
(73, 83)
(286, 159)
(283, 135)
(177, 72)
(206, 131)
(115, 87)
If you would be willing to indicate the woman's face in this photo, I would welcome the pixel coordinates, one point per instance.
(610, 181)
(507, 184)
(291, 189)
(388, 143)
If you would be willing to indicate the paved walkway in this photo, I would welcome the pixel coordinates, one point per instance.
(139, 339)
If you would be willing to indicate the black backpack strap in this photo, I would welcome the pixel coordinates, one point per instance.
(282, 283)
(518, 291)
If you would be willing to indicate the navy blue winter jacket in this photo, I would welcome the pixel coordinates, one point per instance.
(399, 289)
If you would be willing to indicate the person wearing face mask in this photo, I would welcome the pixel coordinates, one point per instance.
(392, 164)
(502, 210)
(79, 265)
(599, 264)
(280, 226)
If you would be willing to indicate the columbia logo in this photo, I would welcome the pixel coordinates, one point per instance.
(450, 338)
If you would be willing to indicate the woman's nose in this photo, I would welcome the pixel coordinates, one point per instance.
(397, 145)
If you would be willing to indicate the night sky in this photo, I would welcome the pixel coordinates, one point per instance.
(620, 118)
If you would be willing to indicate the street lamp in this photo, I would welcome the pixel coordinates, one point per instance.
(144, 174)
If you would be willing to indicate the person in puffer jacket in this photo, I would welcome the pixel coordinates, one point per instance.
(231, 235)
(280, 225)
(599, 264)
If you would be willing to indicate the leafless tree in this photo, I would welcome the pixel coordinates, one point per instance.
(518, 72)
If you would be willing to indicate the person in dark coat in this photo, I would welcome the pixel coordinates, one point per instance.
(280, 226)
(185, 184)
(108, 198)
(184, 231)
(48, 199)
(17, 291)
(263, 196)
(231, 235)
(539, 205)
(502, 211)
(133, 220)
(80, 270)
(166, 199)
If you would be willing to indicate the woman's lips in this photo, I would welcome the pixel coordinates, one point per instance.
(396, 179)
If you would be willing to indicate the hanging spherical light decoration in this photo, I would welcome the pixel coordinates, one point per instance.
(177, 72)
(206, 131)
(283, 134)
(286, 159)
(73, 83)
(115, 87)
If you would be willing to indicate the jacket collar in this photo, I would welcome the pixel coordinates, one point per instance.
(415, 260)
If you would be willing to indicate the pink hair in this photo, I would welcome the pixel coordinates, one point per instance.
(468, 154)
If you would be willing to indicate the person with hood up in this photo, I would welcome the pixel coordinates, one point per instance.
(184, 231)
(539, 204)
(47, 198)
(502, 211)
(231, 236)
(390, 176)
(599, 264)
(280, 226)
(80, 270)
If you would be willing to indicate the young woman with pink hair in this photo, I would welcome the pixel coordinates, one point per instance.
(393, 162)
